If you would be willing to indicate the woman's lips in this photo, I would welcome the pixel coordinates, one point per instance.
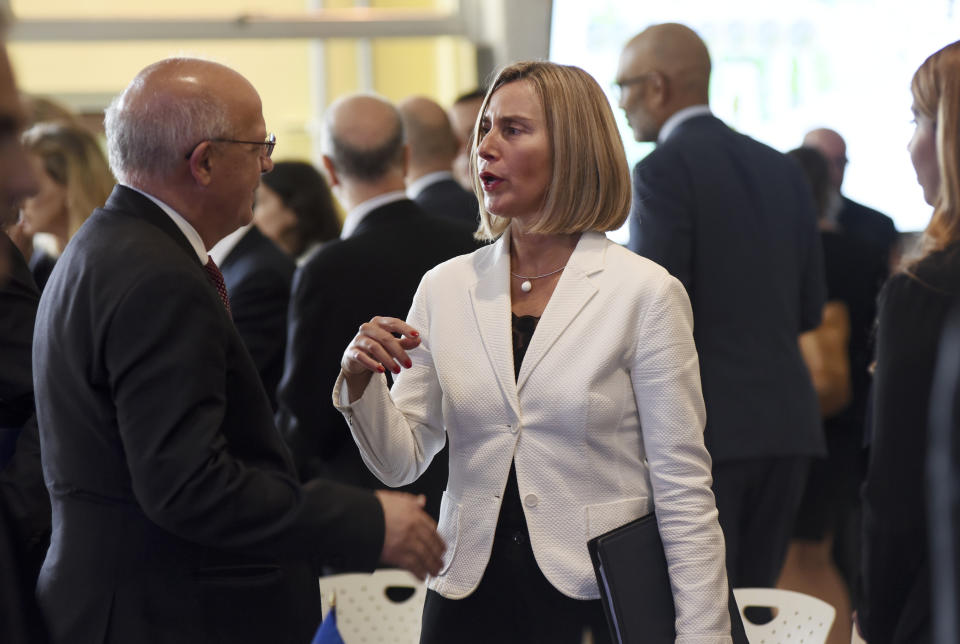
(489, 181)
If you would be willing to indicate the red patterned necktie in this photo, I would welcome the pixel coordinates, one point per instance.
(216, 278)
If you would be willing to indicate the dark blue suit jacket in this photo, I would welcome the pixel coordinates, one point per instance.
(869, 227)
(258, 276)
(734, 220)
(448, 199)
(176, 508)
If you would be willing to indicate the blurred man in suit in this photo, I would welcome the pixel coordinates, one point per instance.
(24, 504)
(734, 221)
(862, 224)
(386, 245)
(178, 516)
(258, 276)
(433, 148)
(463, 118)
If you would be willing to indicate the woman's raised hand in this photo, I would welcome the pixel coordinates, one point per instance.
(375, 348)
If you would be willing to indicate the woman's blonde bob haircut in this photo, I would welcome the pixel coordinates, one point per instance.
(936, 95)
(590, 184)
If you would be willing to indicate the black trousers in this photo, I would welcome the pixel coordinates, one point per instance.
(757, 502)
(514, 603)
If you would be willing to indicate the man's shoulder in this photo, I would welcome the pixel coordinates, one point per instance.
(257, 253)
(865, 214)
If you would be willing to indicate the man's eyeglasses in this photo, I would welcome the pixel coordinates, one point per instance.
(268, 144)
(618, 86)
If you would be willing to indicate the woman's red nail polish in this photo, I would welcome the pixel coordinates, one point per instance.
(397, 370)
(415, 334)
(380, 368)
(408, 364)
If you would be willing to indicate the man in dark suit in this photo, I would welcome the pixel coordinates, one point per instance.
(178, 516)
(864, 225)
(386, 246)
(734, 221)
(258, 276)
(24, 504)
(433, 147)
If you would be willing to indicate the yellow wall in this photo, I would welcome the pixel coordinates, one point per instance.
(280, 69)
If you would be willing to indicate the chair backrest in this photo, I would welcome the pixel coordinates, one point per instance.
(366, 613)
(798, 618)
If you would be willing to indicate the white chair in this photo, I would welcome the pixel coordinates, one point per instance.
(798, 618)
(365, 612)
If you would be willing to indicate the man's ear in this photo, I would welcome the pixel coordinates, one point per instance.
(201, 164)
(331, 170)
(406, 159)
(659, 88)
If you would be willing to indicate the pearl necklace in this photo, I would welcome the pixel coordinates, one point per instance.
(526, 286)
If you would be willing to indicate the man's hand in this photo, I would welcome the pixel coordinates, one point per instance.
(410, 538)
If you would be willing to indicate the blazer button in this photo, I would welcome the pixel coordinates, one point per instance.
(531, 500)
(513, 428)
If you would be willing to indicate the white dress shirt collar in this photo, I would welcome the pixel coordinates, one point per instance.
(222, 249)
(679, 117)
(355, 216)
(419, 185)
(188, 231)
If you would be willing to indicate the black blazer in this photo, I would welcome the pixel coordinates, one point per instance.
(448, 199)
(176, 509)
(895, 602)
(734, 221)
(24, 504)
(343, 284)
(258, 276)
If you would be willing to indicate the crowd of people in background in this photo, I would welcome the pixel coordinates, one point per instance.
(192, 428)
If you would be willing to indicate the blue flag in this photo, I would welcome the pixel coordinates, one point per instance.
(328, 633)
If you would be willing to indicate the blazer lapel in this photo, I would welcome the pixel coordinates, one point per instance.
(490, 297)
(573, 292)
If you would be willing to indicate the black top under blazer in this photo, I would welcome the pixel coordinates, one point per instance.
(343, 284)
(734, 221)
(177, 512)
(258, 276)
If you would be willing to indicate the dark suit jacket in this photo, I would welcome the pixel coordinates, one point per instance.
(447, 198)
(869, 227)
(176, 509)
(344, 284)
(258, 276)
(24, 504)
(895, 602)
(733, 220)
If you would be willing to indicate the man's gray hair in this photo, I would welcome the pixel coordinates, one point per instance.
(148, 137)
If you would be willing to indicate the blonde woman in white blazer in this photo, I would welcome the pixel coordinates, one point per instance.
(590, 422)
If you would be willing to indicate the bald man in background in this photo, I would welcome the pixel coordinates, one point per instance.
(433, 148)
(386, 245)
(463, 117)
(860, 223)
(734, 221)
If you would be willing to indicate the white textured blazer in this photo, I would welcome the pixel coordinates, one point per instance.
(605, 422)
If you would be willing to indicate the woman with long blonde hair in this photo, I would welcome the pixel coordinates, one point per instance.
(895, 604)
(73, 179)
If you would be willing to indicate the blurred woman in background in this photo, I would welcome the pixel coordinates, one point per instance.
(73, 178)
(895, 606)
(295, 208)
